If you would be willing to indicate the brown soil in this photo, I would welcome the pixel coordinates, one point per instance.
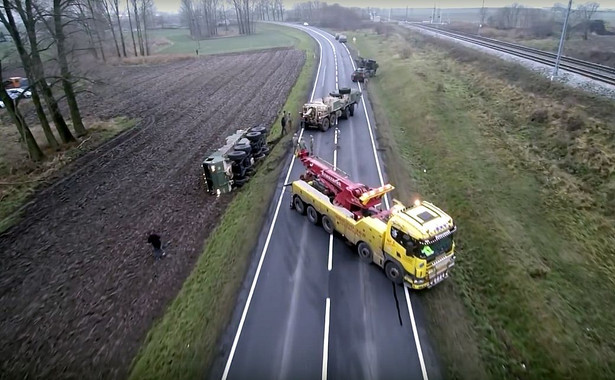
(79, 287)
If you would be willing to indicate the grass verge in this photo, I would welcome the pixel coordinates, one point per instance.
(182, 344)
(527, 170)
(19, 177)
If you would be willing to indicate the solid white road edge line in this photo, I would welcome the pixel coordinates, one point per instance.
(325, 345)
(416, 334)
(229, 361)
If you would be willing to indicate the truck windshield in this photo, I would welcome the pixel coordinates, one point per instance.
(435, 249)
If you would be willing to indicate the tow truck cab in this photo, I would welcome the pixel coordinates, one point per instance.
(421, 239)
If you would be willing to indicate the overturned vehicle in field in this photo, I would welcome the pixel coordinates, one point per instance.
(232, 165)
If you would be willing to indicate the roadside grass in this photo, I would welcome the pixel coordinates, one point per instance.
(19, 177)
(183, 343)
(267, 36)
(529, 178)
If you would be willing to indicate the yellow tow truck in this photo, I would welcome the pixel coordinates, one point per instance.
(412, 244)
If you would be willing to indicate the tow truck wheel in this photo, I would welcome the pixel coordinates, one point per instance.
(327, 224)
(299, 205)
(312, 214)
(394, 272)
(365, 252)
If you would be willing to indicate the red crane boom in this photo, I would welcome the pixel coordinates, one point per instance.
(353, 196)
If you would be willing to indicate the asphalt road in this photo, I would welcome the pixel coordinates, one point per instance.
(309, 309)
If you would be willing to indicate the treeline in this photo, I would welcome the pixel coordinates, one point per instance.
(543, 23)
(203, 17)
(329, 16)
(65, 29)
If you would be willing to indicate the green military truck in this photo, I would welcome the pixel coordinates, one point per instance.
(322, 113)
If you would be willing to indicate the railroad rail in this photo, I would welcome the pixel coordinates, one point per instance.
(595, 71)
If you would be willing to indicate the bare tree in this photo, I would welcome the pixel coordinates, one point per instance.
(10, 24)
(137, 19)
(585, 13)
(108, 16)
(34, 151)
(29, 19)
(115, 7)
(147, 7)
(132, 33)
(59, 7)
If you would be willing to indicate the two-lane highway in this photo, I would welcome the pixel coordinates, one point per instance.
(309, 308)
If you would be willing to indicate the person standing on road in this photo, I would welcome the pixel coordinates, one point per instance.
(289, 121)
(295, 143)
(283, 123)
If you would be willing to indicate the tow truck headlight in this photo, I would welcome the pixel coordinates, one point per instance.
(213, 168)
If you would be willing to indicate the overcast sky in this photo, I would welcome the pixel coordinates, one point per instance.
(173, 5)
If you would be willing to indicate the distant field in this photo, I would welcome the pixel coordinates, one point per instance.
(178, 41)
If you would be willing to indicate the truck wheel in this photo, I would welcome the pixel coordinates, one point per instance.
(365, 252)
(237, 155)
(351, 109)
(299, 205)
(312, 214)
(327, 224)
(394, 272)
(325, 125)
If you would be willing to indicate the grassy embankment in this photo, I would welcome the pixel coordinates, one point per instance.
(527, 170)
(183, 343)
(19, 177)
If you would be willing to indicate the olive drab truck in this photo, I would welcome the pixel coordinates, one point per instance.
(366, 68)
(412, 244)
(325, 112)
(232, 165)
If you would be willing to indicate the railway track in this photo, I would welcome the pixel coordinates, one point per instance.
(597, 72)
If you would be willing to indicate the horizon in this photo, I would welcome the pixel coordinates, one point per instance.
(172, 6)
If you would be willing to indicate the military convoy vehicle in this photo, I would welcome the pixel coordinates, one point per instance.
(366, 68)
(232, 165)
(322, 113)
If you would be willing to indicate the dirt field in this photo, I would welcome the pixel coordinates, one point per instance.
(79, 288)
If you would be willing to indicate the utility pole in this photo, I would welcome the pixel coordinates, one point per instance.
(482, 17)
(406, 14)
(561, 42)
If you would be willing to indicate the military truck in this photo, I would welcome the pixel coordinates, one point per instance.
(366, 68)
(233, 164)
(322, 113)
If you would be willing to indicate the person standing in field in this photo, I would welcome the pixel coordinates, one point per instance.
(283, 123)
(154, 240)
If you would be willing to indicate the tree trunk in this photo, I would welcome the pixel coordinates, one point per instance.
(117, 46)
(10, 25)
(144, 15)
(138, 25)
(67, 84)
(132, 33)
(119, 26)
(29, 21)
(34, 151)
(40, 112)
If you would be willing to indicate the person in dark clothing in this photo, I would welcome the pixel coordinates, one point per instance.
(283, 122)
(155, 241)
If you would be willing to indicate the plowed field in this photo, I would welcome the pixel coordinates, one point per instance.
(79, 288)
